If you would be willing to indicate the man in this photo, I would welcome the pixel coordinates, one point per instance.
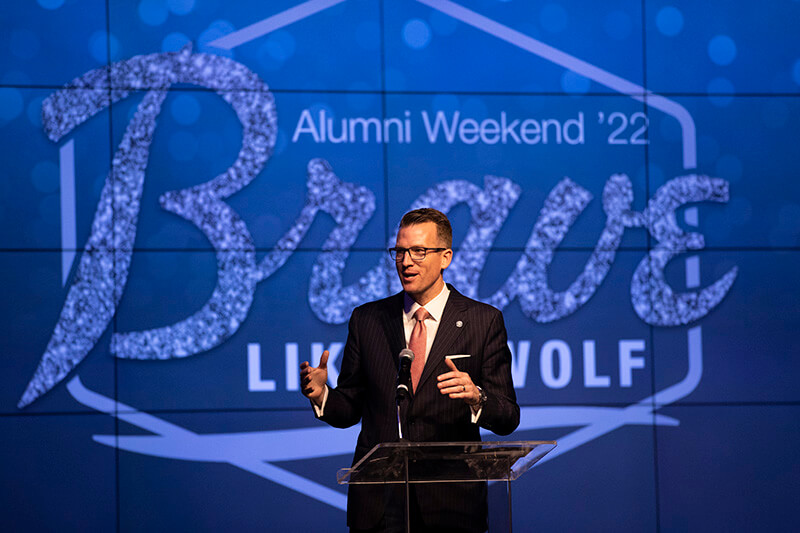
(449, 402)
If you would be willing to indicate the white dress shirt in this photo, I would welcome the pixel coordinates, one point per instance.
(435, 307)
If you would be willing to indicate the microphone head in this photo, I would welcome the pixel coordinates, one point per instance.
(405, 352)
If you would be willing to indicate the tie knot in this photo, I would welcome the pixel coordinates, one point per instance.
(422, 314)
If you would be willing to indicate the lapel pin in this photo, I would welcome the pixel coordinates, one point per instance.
(459, 324)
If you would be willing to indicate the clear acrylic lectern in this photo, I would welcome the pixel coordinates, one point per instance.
(445, 462)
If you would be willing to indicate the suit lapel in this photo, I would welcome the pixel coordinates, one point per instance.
(392, 322)
(454, 312)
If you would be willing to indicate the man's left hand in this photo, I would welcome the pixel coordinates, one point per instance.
(457, 384)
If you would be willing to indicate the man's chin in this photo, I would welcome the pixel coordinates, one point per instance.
(409, 287)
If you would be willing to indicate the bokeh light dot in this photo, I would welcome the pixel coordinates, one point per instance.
(574, 83)
(153, 12)
(34, 111)
(416, 34)
(50, 4)
(98, 43)
(97, 46)
(114, 47)
(185, 109)
(318, 107)
(722, 50)
(174, 41)
(721, 92)
(281, 142)
(50, 207)
(281, 45)
(11, 103)
(180, 7)
(266, 59)
(669, 21)
(553, 18)
(442, 24)
(215, 30)
(796, 72)
(211, 145)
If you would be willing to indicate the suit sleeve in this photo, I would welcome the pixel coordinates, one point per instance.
(345, 403)
(500, 413)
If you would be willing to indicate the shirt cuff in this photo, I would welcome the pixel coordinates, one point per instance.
(320, 410)
(476, 412)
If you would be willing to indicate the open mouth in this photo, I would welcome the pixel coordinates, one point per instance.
(408, 276)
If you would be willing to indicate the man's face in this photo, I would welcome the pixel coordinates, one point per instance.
(422, 280)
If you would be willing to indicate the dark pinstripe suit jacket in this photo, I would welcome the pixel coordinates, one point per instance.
(366, 392)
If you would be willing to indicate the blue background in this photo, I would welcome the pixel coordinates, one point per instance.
(730, 463)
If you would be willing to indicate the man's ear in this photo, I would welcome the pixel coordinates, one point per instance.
(447, 257)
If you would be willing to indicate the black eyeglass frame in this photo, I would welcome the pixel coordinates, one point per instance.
(398, 254)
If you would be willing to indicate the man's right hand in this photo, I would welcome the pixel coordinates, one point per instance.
(313, 379)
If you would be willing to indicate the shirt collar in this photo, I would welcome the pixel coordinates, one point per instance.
(435, 307)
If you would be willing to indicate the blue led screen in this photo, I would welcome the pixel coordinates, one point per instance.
(195, 195)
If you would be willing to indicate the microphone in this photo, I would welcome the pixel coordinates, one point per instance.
(404, 374)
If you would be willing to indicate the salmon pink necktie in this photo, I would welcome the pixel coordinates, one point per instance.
(417, 344)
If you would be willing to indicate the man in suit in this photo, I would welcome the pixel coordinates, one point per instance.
(452, 397)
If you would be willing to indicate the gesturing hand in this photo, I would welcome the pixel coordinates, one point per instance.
(457, 384)
(313, 379)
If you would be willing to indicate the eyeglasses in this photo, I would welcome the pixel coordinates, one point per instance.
(417, 253)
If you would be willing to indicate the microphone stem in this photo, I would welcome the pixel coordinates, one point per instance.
(399, 425)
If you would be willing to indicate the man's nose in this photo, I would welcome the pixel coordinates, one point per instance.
(407, 261)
